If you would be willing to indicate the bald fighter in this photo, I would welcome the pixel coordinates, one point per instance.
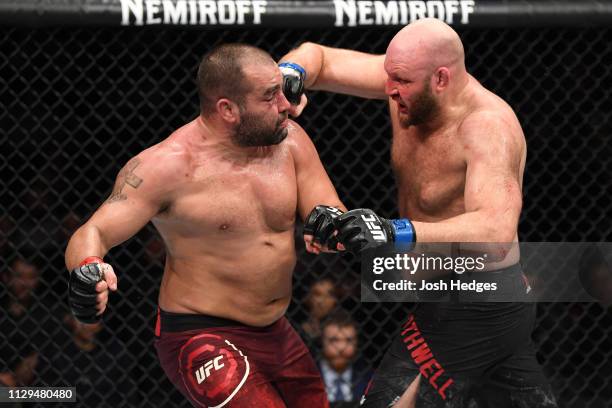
(458, 155)
(223, 192)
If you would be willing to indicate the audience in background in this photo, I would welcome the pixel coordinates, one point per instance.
(19, 322)
(345, 377)
(320, 301)
(96, 363)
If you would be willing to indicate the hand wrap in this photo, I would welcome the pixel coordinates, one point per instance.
(362, 229)
(82, 292)
(320, 224)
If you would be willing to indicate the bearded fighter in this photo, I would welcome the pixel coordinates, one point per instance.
(223, 191)
(458, 155)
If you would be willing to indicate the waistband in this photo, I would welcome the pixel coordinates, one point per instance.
(170, 322)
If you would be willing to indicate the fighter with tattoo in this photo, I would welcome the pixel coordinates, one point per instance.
(223, 191)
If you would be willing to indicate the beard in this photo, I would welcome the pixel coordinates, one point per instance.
(339, 363)
(252, 131)
(423, 109)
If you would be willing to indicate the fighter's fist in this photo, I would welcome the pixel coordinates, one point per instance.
(362, 229)
(293, 81)
(319, 228)
(88, 290)
(296, 110)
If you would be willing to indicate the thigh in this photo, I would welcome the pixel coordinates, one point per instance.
(214, 371)
(392, 378)
(301, 385)
(299, 380)
(489, 395)
(520, 380)
(409, 356)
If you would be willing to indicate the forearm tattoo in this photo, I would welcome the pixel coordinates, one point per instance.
(125, 176)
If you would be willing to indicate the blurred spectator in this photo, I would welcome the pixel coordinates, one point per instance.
(70, 223)
(320, 300)
(21, 279)
(96, 363)
(344, 376)
(596, 275)
(19, 322)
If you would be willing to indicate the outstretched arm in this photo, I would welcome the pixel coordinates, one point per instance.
(340, 70)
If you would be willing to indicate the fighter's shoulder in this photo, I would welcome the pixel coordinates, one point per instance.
(165, 160)
(496, 124)
(297, 140)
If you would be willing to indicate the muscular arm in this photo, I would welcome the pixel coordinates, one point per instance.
(339, 70)
(138, 194)
(314, 186)
(492, 196)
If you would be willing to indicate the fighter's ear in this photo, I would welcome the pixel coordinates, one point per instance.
(228, 110)
(441, 79)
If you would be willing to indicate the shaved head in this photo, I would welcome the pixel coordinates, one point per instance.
(425, 66)
(428, 44)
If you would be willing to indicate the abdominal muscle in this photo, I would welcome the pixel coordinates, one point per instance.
(245, 279)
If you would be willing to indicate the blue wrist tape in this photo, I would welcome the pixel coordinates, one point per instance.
(404, 231)
(295, 66)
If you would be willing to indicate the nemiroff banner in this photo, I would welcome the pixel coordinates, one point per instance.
(489, 272)
(338, 13)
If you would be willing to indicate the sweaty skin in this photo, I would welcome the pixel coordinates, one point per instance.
(226, 214)
(459, 173)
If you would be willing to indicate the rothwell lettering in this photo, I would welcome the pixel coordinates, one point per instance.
(423, 357)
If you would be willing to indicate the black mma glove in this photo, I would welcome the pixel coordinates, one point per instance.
(320, 224)
(294, 77)
(82, 292)
(362, 229)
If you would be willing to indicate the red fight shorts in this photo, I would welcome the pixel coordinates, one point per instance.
(217, 362)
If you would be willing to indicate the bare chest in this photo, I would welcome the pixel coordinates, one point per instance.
(430, 175)
(223, 198)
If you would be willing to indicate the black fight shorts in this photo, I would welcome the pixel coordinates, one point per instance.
(468, 354)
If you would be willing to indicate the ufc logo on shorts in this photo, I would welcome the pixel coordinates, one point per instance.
(374, 228)
(203, 372)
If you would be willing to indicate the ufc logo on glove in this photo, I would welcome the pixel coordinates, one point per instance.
(374, 228)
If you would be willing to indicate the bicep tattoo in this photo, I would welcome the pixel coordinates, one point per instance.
(125, 176)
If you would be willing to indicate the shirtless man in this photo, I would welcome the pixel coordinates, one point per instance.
(223, 192)
(458, 154)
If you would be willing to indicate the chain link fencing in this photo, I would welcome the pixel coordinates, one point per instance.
(78, 103)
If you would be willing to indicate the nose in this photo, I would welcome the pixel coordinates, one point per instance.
(390, 88)
(283, 103)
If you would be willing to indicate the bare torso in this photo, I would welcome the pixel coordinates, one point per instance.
(229, 232)
(430, 169)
